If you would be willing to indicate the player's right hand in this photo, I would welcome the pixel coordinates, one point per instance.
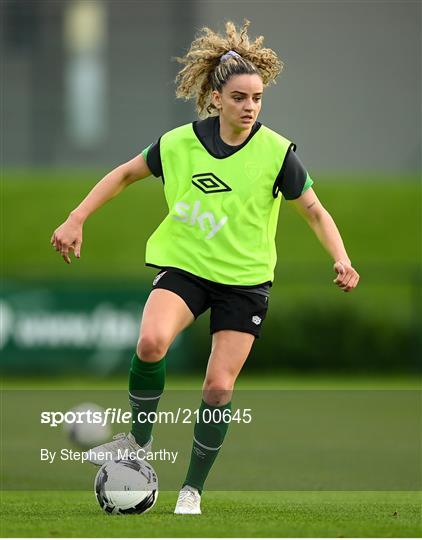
(68, 238)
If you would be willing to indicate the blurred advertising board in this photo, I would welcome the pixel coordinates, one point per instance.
(51, 328)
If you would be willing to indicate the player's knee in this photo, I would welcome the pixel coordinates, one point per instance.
(218, 390)
(151, 347)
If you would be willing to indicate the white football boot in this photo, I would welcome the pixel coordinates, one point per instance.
(117, 448)
(189, 501)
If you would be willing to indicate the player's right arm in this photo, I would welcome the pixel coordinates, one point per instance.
(68, 236)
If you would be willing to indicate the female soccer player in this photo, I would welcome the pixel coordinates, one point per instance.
(222, 178)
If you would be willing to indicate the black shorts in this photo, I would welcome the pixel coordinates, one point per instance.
(232, 308)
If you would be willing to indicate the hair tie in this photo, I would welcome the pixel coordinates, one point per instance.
(228, 55)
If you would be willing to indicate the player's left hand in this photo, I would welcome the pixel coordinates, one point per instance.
(347, 277)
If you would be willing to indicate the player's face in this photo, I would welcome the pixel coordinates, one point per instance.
(239, 102)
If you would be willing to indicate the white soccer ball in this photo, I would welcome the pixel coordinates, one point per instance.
(87, 434)
(126, 486)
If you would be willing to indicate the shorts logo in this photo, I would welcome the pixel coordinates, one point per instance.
(158, 277)
(209, 183)
(256, 320)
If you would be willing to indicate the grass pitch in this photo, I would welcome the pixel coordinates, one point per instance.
(337, 514)
(225, 514)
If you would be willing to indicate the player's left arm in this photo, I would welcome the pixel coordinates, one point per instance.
(320, 221)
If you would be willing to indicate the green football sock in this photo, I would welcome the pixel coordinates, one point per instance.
(207, 440)
(146, 384)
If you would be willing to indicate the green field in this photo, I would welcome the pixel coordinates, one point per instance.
(259, 513)
(236, 514)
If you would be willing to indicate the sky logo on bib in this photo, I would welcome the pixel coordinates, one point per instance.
(209, 183)
(193, 216)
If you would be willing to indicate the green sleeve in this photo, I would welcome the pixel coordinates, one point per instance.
(144, 152)
(308, 183)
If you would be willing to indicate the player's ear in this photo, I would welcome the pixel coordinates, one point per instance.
(216, 99)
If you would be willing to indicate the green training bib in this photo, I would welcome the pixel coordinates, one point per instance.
(222, 216)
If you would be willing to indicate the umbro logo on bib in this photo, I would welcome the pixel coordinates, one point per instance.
(209, 183)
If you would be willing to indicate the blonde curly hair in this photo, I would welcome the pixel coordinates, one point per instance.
(205, 70)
